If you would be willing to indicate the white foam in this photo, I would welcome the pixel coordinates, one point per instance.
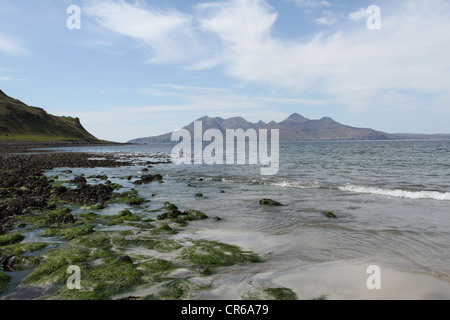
(297, 184)
(420, 194)
(435, 195)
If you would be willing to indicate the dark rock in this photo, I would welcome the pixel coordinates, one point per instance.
(101, 177)
(150, 178)
(269, 202)
(125, 259)
(88, 195)
(66, 218)
(79, 180)
(7, 262)
(170, 215)
(60, 190)
(168, 206)
(129, 298)
(330, 215)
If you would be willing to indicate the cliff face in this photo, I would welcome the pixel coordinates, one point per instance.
(294, 128)
(19, 121)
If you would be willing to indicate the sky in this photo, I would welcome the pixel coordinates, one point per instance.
(131, 69)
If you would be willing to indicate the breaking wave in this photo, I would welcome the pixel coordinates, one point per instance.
(422, 194)
(398, 193)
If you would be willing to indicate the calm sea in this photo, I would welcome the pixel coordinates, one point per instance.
(392, 200)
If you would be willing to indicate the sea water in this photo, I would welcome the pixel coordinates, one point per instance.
(391, 199)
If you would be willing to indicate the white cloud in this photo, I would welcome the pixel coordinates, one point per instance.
(312, 3)
(161, 33)
(356, 67)
(358, 15)
(328, 18)
(12, 46)
(410, 55)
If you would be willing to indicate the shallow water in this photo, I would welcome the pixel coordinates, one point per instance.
(391, 198)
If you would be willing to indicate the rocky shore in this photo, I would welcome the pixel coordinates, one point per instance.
(48, 225)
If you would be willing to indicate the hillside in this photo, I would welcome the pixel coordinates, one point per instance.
(20, 122)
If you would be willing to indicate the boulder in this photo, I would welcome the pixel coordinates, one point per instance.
(270, 202)
(147, 178)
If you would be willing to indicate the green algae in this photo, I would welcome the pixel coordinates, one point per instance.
(156, 266)
(216, 254)
(330, 215)
(164, 228)
(131, 198)
(68, 233)
(103, 274)
(112, 278)
(53, 264)
(281, 293)
(270, 202)
(4, 282)
(21, 248)
(174, 289)
(12, 238)
(123, 216)
(44, 217)
(97, 207)
(103, 282)
(95, 241)
(160, 245)
(89, 216)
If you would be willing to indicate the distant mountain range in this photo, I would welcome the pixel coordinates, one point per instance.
(295, 128)
(20, 122)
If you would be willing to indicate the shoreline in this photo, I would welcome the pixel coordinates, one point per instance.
(68, 228)
(174, 257)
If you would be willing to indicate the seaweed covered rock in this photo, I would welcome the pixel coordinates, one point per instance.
(329, 214)
(19, 206)
(150, 178)
(131, 197)
(88, 194)
(270, 202)
(172, 212)
(11, 239)
(79, 180)
(12, 263)
(66, 218)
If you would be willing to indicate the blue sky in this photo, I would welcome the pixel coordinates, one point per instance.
(143, 68)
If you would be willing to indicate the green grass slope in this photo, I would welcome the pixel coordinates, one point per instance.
(20, 122)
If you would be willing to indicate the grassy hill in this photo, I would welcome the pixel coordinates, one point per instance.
(20, 122)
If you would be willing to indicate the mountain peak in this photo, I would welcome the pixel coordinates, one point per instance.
(295, 118)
